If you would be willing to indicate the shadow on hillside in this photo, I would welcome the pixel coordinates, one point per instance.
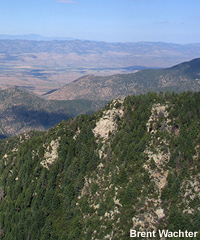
(19, 118)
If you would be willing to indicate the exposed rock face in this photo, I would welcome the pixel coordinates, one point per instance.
(156, 166)
(97, 199)
(51, 153)
(107, 123)
(157, 111)
(159, 158)
(191, 189)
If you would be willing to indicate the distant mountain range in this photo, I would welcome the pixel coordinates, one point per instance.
(179, 78)
(35, 37)
(99, 54)
(43, 66)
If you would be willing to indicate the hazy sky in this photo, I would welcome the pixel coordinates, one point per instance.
(176, 21)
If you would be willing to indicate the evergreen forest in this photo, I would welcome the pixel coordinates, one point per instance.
(135, 164)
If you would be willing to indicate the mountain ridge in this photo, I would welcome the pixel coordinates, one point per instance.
(132, 165)
(182, 77)
(32, 37)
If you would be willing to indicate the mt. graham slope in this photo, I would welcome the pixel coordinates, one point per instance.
(179, 78)
(133, 165)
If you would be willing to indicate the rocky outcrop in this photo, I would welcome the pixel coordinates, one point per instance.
(107, 124)
(156, 167)
(51, 154)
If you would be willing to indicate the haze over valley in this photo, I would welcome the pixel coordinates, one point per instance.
(42, 66)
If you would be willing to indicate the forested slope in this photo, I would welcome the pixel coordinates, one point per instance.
(134, 164)
(22, 111)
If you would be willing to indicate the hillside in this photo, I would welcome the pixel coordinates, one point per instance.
(179, 78)
(22, 111)
(132, 165)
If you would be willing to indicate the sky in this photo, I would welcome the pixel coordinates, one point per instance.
(174, 21)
